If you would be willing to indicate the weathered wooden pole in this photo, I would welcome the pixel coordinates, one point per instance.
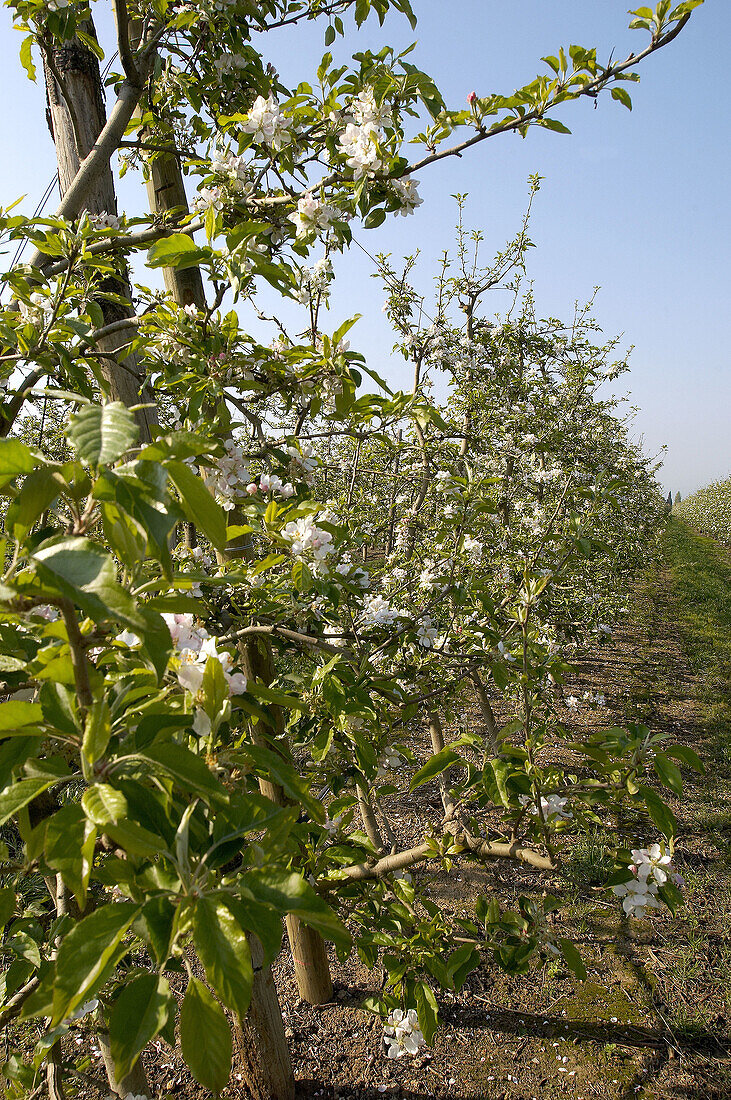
(76, 117)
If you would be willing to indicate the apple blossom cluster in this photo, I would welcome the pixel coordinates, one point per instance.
(268, 124)
(194, 646)
(553, 808)
(227, 63)
(359, 141)
(37, 310)
(429, 578)
(407, 195)
(209, 198)
(194, 559)
(389, 760)
(311, 216)
(303, 455)
(315, 282)
(353, 573)
(104, 221)
(234, 168)
(230, 478)
(306, 538)
(426, 632)
(377, 611)
(473, 548)
(651, 868)
(402, 1034)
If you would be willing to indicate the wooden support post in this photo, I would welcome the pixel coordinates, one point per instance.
(75, 132)
(260, 1046)
(437, 741)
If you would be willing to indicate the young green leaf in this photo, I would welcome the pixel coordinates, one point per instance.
(139, 1014)
(205, 1037)
(100, 434)
(223, 949)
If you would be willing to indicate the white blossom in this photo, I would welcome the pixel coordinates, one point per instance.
(306, 537)
(229, 479)
(638, 895)
(651, 862)
(389, 760)
(268, 124)
(407, 194)
(402, 1034)
(426, 632)
(311, 216)
(377, 611)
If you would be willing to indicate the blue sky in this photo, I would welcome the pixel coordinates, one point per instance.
(635, 203)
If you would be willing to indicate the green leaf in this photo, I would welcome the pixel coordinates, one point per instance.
(159, 916)
(189, 770)
(17, 713)
(40, 489)
(573, 959)
(19, 795)
(264, 921)
(623, 96)
(104, 805)
(205, 1037)
(329, 35)
(426, 1010)
(301, 577)
(97, 731)
(8, 900)
(554, 124)
(91, 42)
(13, 752)
(199, 504)
(661, 814)
(69, 848)
(84, 955)
(100, 434)
(178, 250)
(84, 573)
(139, 1014)
(672, 896)
(224, 951)
(15, 460)
(134, 839)
(686, 756)
(26, 56)
(461, 963)
(289, 893)
(271, 765)
(375, 218)
(668, 773)
(438, 764)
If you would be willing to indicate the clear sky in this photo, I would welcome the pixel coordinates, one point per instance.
(634, 203)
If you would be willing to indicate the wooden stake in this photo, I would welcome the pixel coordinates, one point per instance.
(260, 1046)
(76, 117)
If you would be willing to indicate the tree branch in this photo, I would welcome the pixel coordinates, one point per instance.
(591, 89)
(121, 16)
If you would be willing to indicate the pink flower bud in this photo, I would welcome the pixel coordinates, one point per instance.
(252, 488)
(472, 98)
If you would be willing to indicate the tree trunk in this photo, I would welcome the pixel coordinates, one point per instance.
(79, 70)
